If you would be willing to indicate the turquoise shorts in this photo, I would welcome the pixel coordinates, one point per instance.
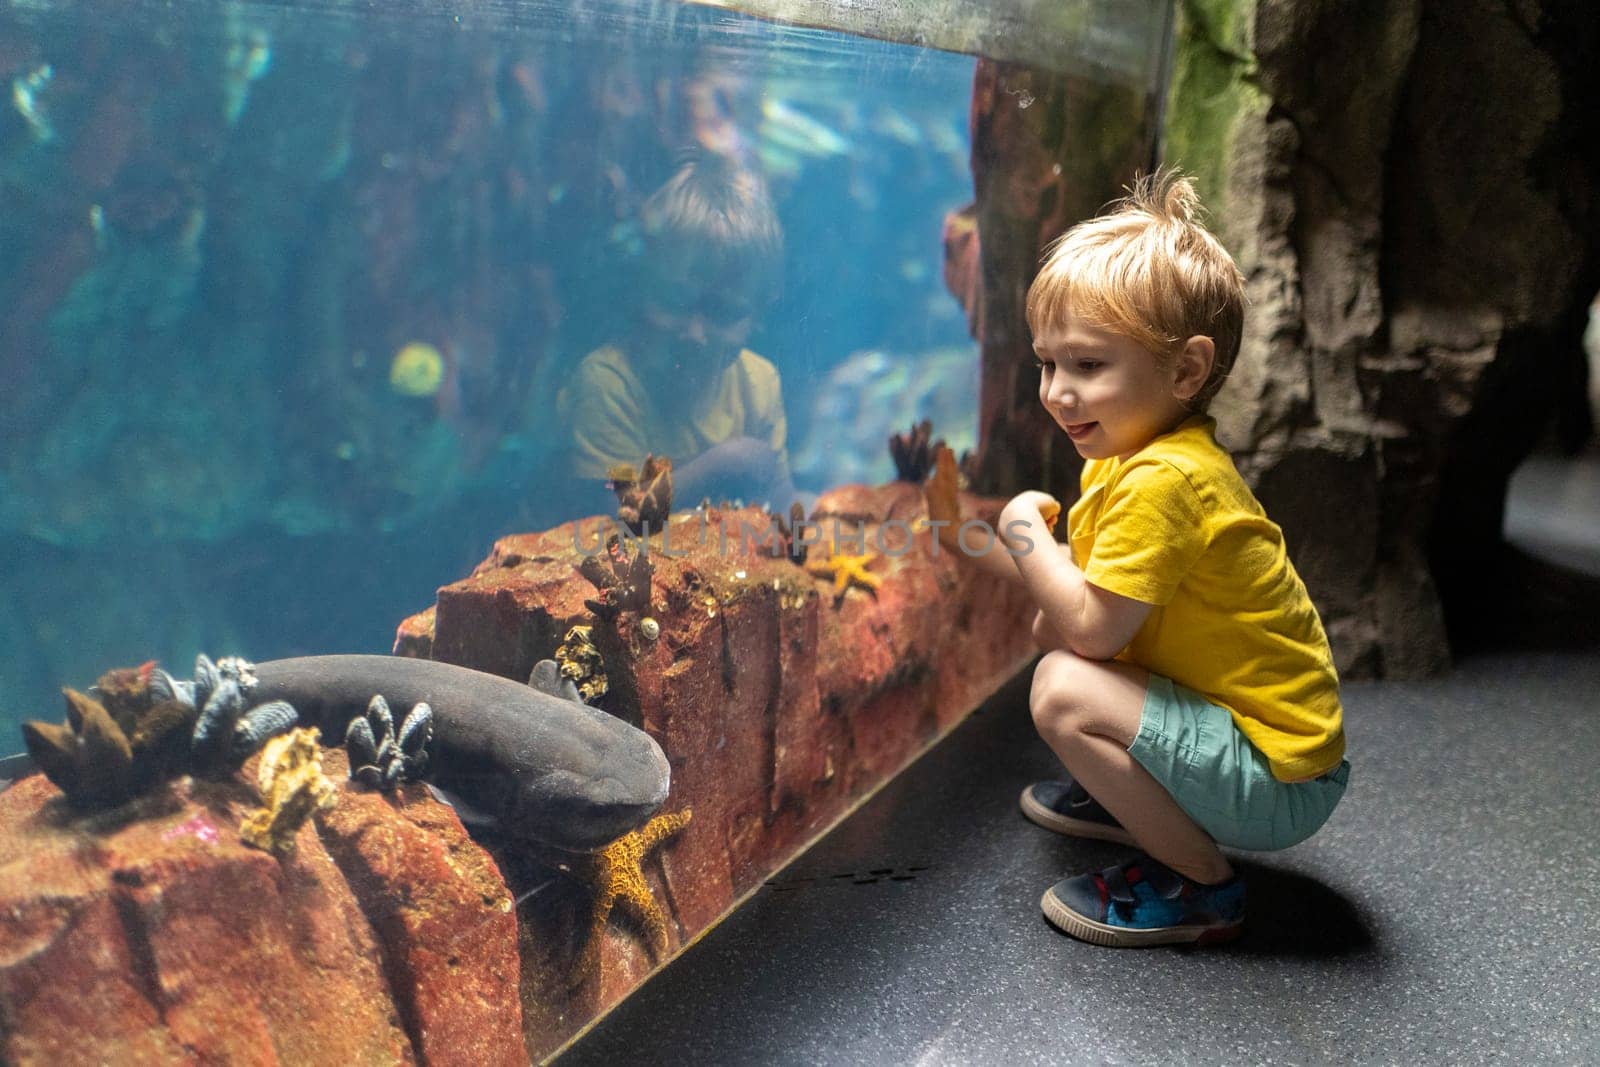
(1194, 749)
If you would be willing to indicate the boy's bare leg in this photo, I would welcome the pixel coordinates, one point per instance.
(1088, 712)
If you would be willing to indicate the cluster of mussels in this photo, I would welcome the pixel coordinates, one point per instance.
(227, 729)
(381, 757)
(137, 727)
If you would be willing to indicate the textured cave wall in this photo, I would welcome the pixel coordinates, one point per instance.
(1410, 188)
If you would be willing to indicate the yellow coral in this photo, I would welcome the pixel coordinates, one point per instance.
(293, 787)
(617, 874)
(580, 661)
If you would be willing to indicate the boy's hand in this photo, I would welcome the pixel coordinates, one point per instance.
(746, 457)
(1027, 504)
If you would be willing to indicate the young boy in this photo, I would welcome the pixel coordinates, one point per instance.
(1187, 684)
(680, 383)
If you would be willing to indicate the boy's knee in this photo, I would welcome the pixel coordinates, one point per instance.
(1060, 682)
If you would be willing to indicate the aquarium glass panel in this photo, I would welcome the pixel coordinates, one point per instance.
(291, 292)
(550, 353)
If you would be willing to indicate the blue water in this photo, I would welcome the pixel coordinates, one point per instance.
(219, 223)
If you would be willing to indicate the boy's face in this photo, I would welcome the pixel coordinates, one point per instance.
(703, 318)
(1110, 394)
(700, 327)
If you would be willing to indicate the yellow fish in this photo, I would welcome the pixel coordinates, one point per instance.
(417, 370)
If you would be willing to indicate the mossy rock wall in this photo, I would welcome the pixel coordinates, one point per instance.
(1410, 190)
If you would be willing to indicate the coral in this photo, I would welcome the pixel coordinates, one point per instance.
(137, 727)
(379, 756)
(846, 570)
(196, 826)
(124, 692)
(624, 583)
(616, 872)
(292, 786)
(793, 547)
(944, 506)
(580, 662)
(89, 758)
(644, 500)
(115, 743)
(913, 452)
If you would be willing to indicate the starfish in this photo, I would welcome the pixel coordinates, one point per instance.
(845, 570)
(617, 873)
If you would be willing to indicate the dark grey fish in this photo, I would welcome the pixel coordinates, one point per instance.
(536, 759)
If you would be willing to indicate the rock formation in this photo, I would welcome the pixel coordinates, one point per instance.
(152, 934)
(1411, 191)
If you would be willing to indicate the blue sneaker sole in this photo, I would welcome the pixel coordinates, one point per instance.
(1064, 824)
(1084, 928)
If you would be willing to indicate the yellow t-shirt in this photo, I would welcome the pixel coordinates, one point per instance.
(615, 419)
(1175, 526)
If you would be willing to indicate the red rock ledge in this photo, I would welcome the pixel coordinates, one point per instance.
(779, 701)
(150, 934)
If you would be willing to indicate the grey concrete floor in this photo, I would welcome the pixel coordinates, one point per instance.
(1448, 913)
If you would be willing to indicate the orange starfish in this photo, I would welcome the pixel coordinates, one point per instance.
(846, 569)
(617, 874)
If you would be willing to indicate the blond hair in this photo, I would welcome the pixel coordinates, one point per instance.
(720, 217)
(1147, 269)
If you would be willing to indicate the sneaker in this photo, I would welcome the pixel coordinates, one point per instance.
(1067, 808)
(1143, 902)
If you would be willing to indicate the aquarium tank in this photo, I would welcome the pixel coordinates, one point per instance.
(571, 370)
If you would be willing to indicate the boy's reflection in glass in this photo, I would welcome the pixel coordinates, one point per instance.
(680, 382)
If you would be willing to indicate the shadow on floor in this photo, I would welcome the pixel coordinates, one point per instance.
(1282, 902)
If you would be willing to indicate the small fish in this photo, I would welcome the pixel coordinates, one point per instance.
(895, 125)
(779, 162)
(27, 92)
(788, 127)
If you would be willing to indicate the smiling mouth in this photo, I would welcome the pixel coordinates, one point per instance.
(1076, 430)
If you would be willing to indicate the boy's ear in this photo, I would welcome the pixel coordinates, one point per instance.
(1193, 367)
